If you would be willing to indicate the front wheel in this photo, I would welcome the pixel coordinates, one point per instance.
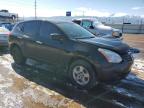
(82, 74)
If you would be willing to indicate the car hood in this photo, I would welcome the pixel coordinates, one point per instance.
(115, 45)
(102, 29)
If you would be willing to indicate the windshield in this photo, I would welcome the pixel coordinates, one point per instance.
(74, 31)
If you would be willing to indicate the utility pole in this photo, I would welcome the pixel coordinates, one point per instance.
(123, 24)
(83, 13)
(35, 9)
(141, 24)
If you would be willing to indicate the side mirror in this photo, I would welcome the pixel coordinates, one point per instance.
(91, 27)
(56, 36)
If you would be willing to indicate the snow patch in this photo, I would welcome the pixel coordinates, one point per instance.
(11, 100)
(1, 78)
(39, 97)
(5, 82)
(139, 65)
(123, 91)
(6, 64)
(120, 104)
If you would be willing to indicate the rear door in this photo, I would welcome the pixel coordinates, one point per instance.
(30, 34)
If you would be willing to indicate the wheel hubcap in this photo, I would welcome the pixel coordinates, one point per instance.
(81, 75)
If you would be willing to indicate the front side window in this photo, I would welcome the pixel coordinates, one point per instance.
(48, 28)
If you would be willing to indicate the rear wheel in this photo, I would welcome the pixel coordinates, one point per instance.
(17, 55)
(82, 74)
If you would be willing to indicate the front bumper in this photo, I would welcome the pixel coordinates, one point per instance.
(114, 72)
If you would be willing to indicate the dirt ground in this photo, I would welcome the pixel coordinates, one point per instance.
(137, 41)
(29, 86)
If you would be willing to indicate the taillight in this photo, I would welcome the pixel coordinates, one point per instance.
(9, 33)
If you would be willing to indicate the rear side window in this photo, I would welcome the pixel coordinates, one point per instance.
(31, 28)
(86, 24)
(48, 28)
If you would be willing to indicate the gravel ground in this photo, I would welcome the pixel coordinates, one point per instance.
(32, 86)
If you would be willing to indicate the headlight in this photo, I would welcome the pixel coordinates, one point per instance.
(115, 33)
(111, 56)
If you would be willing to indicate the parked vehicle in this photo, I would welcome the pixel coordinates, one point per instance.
(82, 57)
(8, 26)
(4, 33)
(6, 14)
(97, 28)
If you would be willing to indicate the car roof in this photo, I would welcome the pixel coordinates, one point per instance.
(51, 21)
(80, 19)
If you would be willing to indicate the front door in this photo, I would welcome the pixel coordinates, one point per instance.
(49, 50)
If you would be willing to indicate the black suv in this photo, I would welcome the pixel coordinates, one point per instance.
(84, 58)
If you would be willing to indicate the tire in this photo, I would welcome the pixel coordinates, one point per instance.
(82, 74)
(13, 17)
(17, 55)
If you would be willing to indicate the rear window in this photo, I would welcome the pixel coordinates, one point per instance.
(29, 28)
(77, 22)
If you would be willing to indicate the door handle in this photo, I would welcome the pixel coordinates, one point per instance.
(25, 36)
(19, 37)
(39, 42)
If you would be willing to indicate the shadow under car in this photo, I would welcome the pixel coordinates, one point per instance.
(102, 96)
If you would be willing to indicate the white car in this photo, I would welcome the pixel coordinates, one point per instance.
(98, 29)
(4, 34)
(6, 14)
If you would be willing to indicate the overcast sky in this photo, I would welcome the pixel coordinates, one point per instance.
(46, 8)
